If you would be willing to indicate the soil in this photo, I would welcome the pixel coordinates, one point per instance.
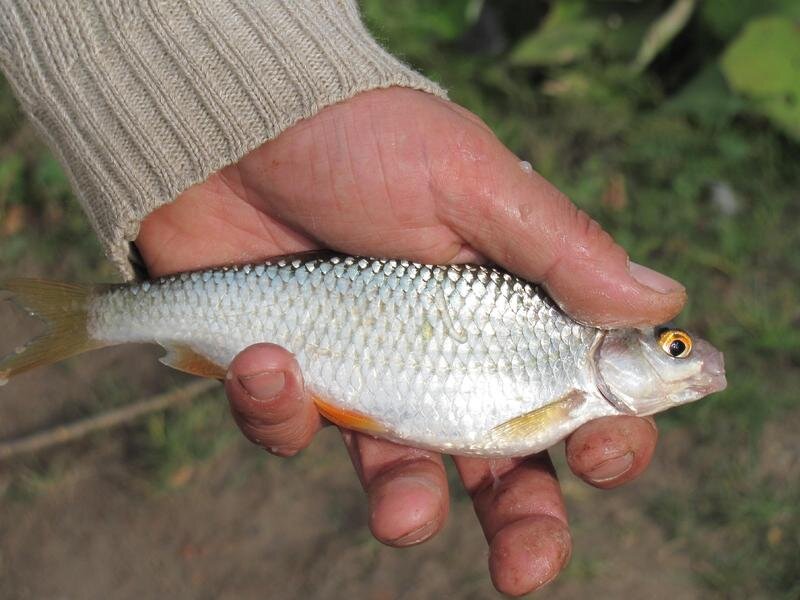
(244, 525)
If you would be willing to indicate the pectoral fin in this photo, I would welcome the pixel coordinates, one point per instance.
(183, 358)
(538, 420)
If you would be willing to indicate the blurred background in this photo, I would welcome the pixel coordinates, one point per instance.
(675, 124)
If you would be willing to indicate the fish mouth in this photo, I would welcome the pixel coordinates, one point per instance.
(710, 379)
(712, 373)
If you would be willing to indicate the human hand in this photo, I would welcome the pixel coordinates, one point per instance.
(405, 174)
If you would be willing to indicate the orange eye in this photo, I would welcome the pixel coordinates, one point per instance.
(675, 342)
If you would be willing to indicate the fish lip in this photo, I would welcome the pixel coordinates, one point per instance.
(714, 370)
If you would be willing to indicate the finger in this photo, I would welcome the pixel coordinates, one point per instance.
(407, 489)
(520, 220)
(610, 451)
(519, 506)
(265, 390)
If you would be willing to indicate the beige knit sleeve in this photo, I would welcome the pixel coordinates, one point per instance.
(141, 99)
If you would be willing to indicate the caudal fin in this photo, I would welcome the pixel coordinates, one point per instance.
(63, 306)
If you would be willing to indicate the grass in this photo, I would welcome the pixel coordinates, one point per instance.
(171, 444)
(650, 155)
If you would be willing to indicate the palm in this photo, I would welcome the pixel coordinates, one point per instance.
(400, 173)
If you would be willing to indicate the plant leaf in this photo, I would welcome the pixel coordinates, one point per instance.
(706, 97)
(763, 64)
(727, 17)
(564, 36)
(662, 31)
(557, 44)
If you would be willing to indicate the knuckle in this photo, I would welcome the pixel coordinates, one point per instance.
(591, 238)
(283, 439)
(514, 501)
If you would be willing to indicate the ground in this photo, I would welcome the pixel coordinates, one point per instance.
(92, 520)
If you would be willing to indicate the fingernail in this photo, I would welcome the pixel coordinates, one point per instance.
(611, 468)
(653, 279)
(416, 536)
(265, 385)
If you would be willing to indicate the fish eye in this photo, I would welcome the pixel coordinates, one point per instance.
(675, 342)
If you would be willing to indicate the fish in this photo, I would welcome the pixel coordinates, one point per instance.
(462, 359)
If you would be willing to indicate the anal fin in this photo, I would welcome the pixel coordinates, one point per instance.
(349, 419)
(183, 358)
(538, 420)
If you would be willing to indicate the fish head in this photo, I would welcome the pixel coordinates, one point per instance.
(645, 371)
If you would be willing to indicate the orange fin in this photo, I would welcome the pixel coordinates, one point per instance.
(349, 419)
(183, 358)
(537, 420)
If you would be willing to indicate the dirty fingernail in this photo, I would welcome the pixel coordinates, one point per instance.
(611, 468)
(653, 279)
(415, 536)
(264, 386)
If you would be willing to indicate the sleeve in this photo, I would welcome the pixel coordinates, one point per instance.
(141, 100)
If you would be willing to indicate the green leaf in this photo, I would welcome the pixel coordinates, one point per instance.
(565, 35)
(443, 20)
(763, 64)
(727, 17)
(557, 42)
(565, 12)
(707, 98)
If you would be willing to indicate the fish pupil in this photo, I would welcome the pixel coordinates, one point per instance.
(676, 348)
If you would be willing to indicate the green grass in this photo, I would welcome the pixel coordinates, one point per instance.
(170, 445)
(642, 152)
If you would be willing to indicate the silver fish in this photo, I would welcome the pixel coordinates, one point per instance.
(462, 359)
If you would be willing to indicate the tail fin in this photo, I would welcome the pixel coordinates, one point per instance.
(63, 306)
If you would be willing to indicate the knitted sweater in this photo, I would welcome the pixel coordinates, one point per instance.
(142, 99)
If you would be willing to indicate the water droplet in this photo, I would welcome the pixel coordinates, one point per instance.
(526, 166)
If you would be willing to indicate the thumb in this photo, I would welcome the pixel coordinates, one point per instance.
(516, 218)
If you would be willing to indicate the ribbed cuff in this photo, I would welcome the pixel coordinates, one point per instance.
(141, 100)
